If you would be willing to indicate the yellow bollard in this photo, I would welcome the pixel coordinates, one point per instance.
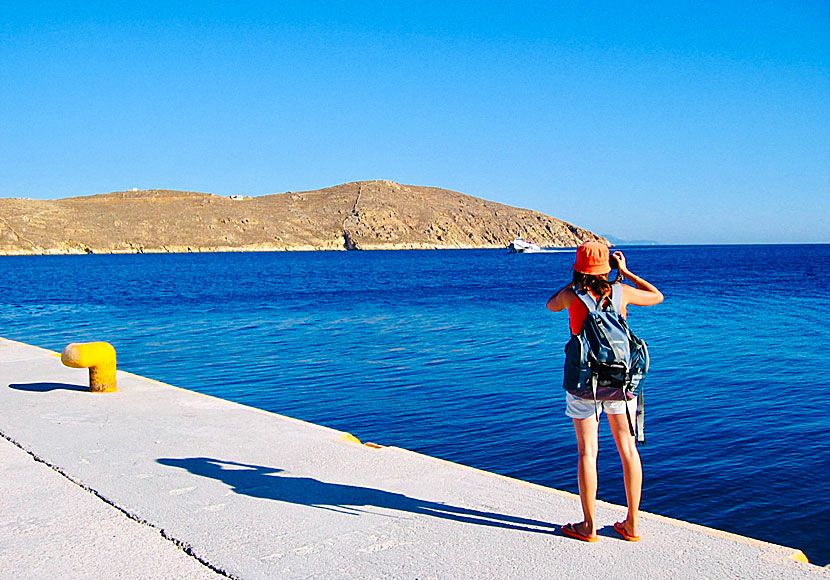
(99, 358)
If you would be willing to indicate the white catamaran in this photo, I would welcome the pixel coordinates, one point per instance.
(520, 246)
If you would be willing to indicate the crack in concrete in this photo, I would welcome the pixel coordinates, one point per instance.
(180, 544)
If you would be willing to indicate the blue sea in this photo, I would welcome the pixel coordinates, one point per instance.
(453, 354)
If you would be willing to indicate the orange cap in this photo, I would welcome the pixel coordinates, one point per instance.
(592, 258)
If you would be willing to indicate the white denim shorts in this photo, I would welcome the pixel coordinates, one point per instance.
(577, 408)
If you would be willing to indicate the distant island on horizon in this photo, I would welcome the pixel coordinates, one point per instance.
(363, 215)
(620, 242)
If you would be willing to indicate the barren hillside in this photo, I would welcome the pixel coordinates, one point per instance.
(361, 215)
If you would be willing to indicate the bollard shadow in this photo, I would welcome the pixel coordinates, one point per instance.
(268, 483)
(46, 387)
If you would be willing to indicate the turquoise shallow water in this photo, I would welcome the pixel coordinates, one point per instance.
(452, 353)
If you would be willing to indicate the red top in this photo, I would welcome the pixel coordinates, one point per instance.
(578, 312)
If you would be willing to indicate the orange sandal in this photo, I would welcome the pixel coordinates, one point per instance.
(619, 527)
(571, 531)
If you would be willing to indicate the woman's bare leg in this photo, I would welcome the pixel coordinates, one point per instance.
(632, 470)
(588, 441)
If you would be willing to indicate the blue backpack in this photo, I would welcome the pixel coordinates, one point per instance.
(606, 361)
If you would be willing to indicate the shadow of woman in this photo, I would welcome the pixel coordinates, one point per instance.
(267, 483)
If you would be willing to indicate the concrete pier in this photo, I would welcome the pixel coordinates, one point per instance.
(154, 481)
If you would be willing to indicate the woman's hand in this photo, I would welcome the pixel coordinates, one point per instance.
(621, 265)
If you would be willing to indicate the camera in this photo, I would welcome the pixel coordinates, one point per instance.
(612, 261)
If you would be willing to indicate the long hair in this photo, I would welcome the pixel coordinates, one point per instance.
(597, 284)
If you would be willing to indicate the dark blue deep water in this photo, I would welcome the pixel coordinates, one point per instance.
(453, 354)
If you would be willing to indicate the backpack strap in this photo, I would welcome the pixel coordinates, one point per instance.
(587, 299)
(593, 304)
(616, 297)
(641, 419)
(638, 431)
(594, 391)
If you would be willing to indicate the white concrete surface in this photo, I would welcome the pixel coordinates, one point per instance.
(255, 495)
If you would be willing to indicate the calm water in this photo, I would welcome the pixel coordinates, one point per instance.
(452, 353)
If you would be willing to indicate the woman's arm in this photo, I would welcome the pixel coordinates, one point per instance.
(561, 299)
(645, 293)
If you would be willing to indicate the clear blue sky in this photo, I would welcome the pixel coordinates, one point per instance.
(687, 122)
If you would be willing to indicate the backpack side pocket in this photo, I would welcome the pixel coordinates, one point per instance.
(577, 372)
(639, 363)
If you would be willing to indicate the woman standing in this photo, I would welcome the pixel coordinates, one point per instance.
(591, 275)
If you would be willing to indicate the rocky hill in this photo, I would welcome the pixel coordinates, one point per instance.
(362, 215)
